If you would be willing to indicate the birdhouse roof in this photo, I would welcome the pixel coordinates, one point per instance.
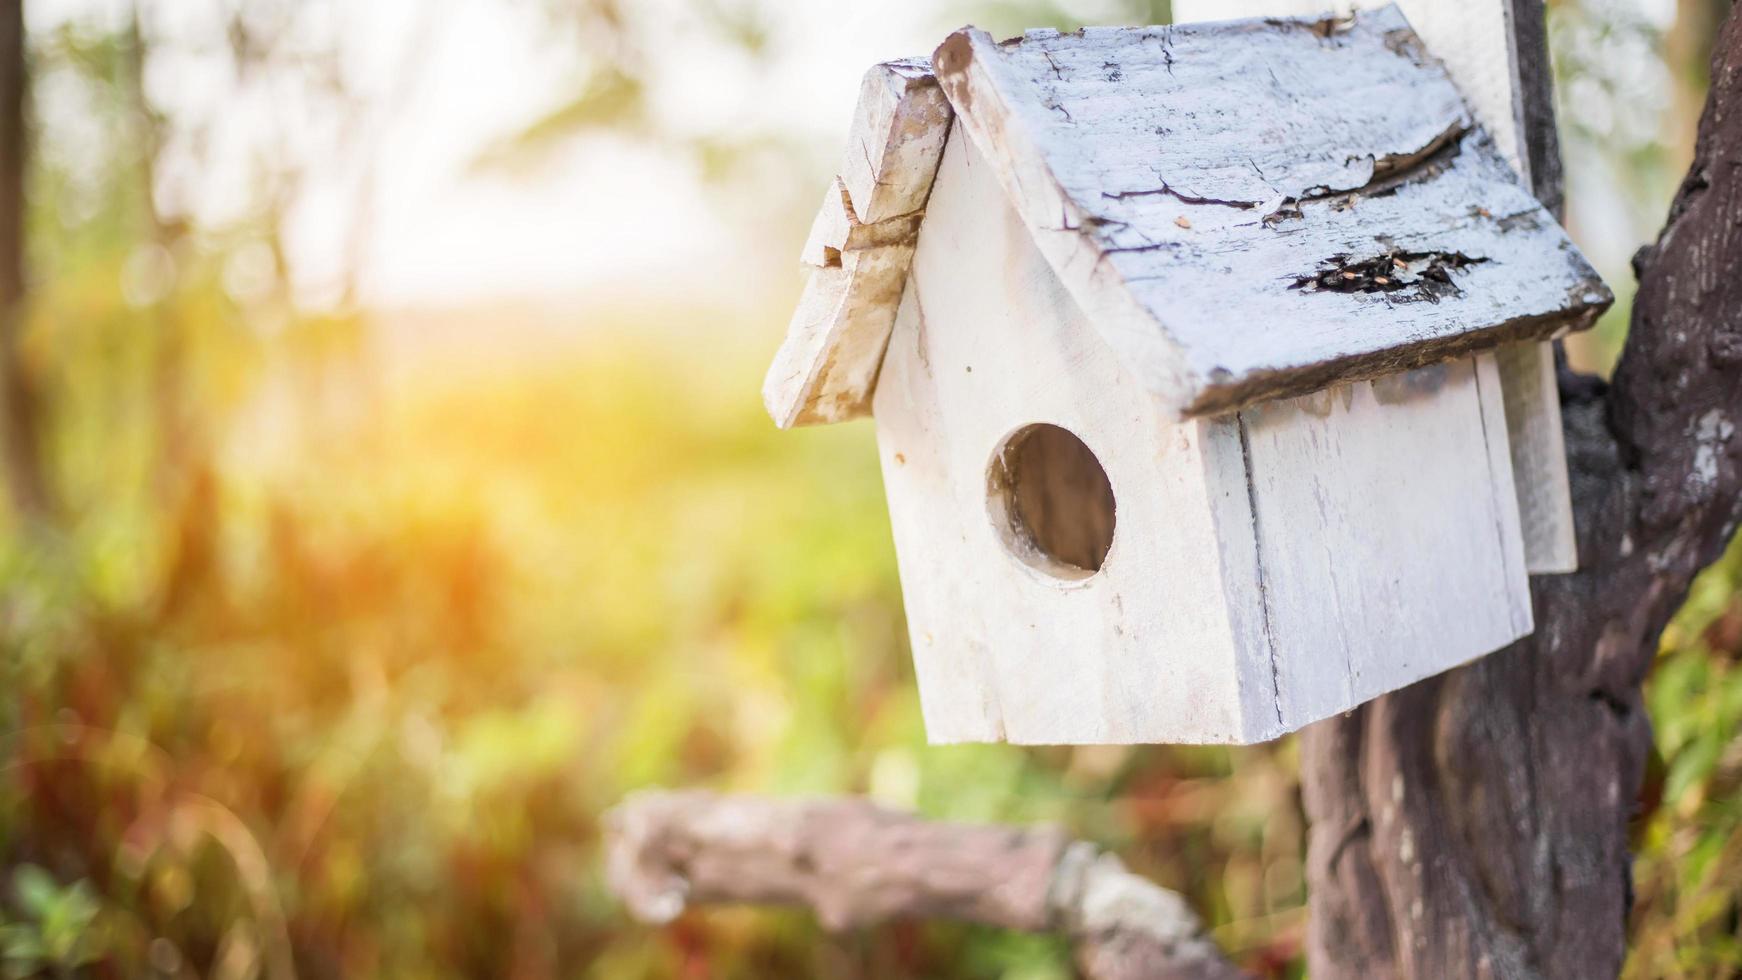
(1245, 210)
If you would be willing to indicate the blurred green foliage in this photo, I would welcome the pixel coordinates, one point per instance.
(1688, 887)
(359, 713)
(415, 677)
(55, 932)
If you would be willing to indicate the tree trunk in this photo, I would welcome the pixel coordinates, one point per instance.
(1475, 824)
(19, 402)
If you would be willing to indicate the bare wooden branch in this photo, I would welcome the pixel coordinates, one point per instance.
(1475, 824)
(856, 864)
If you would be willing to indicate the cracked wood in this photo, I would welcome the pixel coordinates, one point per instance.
(859, 248)
(1177, 177)
(1265, 566)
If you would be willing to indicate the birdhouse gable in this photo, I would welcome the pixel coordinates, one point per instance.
(1245, 210)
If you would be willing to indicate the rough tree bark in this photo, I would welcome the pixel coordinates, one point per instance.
(1475, 824)
(19, 403)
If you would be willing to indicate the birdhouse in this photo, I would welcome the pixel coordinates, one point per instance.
(1180, 346)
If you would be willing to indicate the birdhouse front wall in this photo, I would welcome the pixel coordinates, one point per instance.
(1256, 571)
(987, 342)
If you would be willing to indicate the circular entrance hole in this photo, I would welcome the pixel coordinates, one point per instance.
(1051, 501)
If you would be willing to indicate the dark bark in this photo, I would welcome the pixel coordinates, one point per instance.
(1542, 145)
(1475, 824)
(19, 401)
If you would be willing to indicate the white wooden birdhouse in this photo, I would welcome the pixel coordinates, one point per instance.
(1179, 344)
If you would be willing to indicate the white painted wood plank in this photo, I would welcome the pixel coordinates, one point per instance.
(988, 341)
(830, 229)
(1472, 37)
(1497, 437)
(897, 140)
(1475, 41)
(1387, 535)
(838, 230)
(1239, 569)
(1539, 457)
(945, 597)
(858, 250)
(826, 369)
(1203, 172)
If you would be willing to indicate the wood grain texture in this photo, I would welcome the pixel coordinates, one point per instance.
(987, 343)
(837, 231)
(1471, 38)
(858, 250)
(897, 139)
(1388, 538)
(1479, 42)
(1195, 186)
(1482, 43)
(1476, 824)
(1264, 567)
(826, 369)
(1539, 457)
(856, 864)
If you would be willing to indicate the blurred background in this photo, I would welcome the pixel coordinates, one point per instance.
(389, 493)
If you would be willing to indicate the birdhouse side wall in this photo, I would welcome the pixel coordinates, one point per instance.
(1387, 530)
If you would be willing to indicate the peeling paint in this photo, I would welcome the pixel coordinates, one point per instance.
(1405, 277)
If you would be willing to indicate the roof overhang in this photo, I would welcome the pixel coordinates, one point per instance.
(1245, 210)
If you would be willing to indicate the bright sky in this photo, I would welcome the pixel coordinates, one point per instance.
(604, 213)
